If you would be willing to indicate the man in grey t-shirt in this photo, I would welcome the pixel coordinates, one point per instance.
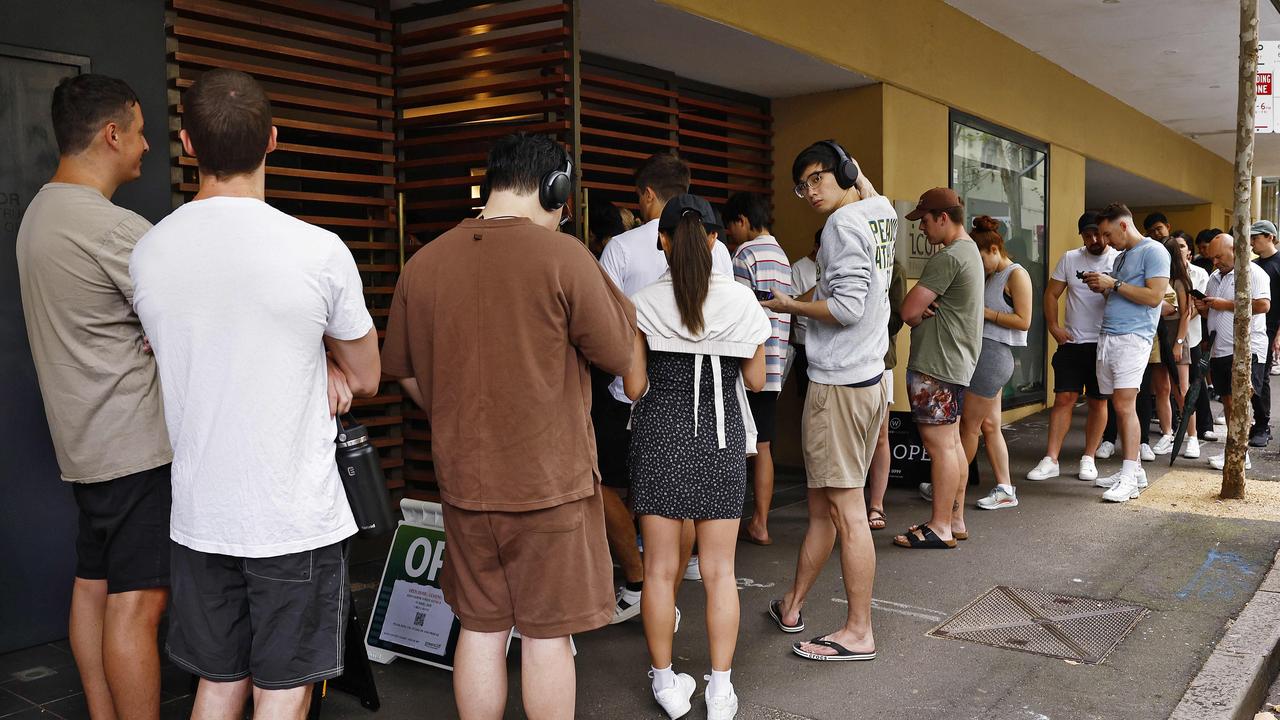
(101, 392)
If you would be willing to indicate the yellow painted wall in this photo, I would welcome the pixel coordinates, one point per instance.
(1066, 204)
(1191, 218)
(939, 53)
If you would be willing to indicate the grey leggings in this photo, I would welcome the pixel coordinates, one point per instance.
(995, 367)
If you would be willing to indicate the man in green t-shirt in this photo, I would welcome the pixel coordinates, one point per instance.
(944, 311)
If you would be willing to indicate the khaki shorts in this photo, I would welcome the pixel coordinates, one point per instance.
(839, 429)
(545, 572)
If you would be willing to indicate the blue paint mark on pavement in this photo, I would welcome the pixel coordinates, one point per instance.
(1222, 576)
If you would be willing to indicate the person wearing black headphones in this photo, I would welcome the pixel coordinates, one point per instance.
(491, 329)
(847, 338)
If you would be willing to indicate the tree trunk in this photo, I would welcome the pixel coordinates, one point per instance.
(1237, 423)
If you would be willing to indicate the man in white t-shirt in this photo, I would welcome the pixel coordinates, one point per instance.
(634, 261)
(1220, 303)
(1077, 353)
(240, 302)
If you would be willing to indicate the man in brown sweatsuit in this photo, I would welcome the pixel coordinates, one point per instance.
(491, 329)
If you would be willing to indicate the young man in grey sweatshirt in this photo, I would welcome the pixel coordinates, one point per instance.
(845, 404)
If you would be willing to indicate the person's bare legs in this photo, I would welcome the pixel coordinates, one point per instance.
(815, 549)
(1060, 423)
(662, 572)
(88, 610)
(131, 652)
(997, 450)
(878, 478)
(858, 564)
(1095, 424)
(717, 544)
(620, 528)
(221, 700)
(480, 674)
(1124, 400)
(947, 471)
(548, 679)
(761, 468)
(1161, 386)
(688, 536)
(291, 704)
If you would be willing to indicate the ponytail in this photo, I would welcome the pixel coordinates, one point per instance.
(690, 261)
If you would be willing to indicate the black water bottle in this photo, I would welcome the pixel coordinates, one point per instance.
(363, 480)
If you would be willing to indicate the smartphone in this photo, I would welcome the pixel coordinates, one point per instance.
(764, 294)
(1196, 294)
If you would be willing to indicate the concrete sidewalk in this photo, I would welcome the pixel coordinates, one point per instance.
(1193, 572)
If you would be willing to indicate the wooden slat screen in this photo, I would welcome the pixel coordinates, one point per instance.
(468, 72)
(326, 66)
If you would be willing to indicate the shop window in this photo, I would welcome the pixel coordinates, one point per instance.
(1000, 173)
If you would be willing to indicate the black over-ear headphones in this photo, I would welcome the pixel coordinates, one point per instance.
(556, 186)
(846, 170)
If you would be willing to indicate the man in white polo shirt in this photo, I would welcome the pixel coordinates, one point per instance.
(1220, 304)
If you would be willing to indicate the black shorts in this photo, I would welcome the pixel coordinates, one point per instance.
(1075, 369)
(1220, 373)
(764, 410)
(124, 530)
(613, 440)
(278, 620)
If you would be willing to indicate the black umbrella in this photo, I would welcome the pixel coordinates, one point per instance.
(1196, 386)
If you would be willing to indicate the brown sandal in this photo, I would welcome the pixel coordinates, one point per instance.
(955, 534)
(876, 519)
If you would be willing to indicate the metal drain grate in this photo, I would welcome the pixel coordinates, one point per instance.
(1061, 626)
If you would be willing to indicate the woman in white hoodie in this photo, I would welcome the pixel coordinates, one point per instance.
(700, 346)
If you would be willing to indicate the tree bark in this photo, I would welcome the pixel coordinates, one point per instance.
(1237, 423)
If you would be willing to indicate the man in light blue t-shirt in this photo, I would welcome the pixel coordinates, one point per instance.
(1134, 290)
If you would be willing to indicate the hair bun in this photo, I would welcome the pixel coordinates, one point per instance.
(986, 223)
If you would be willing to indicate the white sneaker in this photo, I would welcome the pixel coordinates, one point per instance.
(675, 699)
(1048, 468)
(676, 629)
(1220, 420)
(1192, 449)
(1108, 481)
(1211, 436)
(1105, 450)
(721, 707)
(1217, 462)
(1275, 369)
(926, 491)
(1164, 445)
(1088, 470)
(1124, 490)
(1146, 454)
(998, 499)
(627, 605)
(693, 571)
(1141, 479)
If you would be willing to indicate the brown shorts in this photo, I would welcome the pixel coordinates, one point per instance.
(839, 429)
(545, 572)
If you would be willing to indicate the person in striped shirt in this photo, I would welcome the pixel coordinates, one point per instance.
(760, 263)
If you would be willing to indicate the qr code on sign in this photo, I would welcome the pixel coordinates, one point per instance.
(419, 618)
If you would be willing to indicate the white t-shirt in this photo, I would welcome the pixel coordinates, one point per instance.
(804, 275)
(634, 262)
(1199, 281)
(236, 298)
(1084, 306)
(1221, 321)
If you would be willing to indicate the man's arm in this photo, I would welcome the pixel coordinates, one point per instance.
(358, 361)
(918, 305)
(848, 276)
(1052, 291)
(1151, 294)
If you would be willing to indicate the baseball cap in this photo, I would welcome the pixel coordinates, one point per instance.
(940, 198)
(681, 205)
(1087, 221)
(1263, 227)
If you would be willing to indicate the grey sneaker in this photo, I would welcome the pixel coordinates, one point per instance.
(926, 491)
(998, 499)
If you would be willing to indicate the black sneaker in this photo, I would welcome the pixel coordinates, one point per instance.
(1260, 438)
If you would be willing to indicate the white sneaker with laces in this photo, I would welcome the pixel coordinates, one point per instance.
(1220, 420)
(1211, 436)
(1191, 450)
(1217, 462)
(1105, 450)
(1108, 481)
(1146, 454)
(1164, 445)
(998, 499)
(721, 707)
(1047, 468)
(627, 605)
(693, 571)
(1088, 470)
(1125, 489)
(675, 699)
(926, 491)
(1141, 479)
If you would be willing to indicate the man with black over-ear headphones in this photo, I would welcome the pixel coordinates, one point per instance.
(491, 329)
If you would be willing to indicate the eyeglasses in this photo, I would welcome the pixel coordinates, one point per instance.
(810, 183)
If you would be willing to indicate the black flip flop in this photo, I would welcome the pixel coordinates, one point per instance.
(928, 540)
(775, 612)
(843, 654)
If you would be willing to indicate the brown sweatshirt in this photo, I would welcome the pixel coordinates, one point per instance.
(497, 320)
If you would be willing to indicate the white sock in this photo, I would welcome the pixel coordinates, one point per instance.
(1131, 468)
(1086, 457)
(719, 685)
(1007, 488)
(663, 678)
